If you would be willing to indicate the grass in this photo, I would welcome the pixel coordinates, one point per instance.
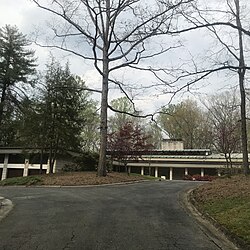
(228, 202)
(234, 214)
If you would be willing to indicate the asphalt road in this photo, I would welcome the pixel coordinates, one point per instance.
(138, 216)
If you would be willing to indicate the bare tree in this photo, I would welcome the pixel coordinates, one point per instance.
(224, 116)
(186, 121)
(114, 34)
(231, 38)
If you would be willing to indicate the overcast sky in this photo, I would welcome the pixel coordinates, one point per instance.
(27, 17)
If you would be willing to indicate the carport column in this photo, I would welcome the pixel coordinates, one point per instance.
(202, 171)
(26, 167)
(170, 174)
(129, 169)
(54, 167)
(142, 170)
(5, 166)
(47, 171)
(156, 171)
(186, 171)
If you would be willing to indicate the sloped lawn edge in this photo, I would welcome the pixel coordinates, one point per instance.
(239, 241)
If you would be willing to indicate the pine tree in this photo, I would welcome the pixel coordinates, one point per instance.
(56, 119)
(17, 65)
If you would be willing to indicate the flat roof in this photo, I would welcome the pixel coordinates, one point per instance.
(163, 152)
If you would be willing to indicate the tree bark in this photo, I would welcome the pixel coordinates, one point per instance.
(102, 168)
(241, 73)
(3, 97)
(41, 162)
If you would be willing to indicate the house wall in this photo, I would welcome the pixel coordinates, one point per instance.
(36, 171)
(14, 163)
(172, 145)
(14, 172)
(176, 167)
(61, 163)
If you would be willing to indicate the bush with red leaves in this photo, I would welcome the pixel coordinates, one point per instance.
(198, 177)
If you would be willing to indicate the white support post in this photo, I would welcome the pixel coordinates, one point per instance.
(54, 167)
(142, 170)
(186, 171)
(47, 170)
(26, 167)
(156, 171)
(202, 172)
(129, 169)
(170, 174)
(5, 167)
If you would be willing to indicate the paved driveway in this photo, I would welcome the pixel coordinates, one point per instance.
(138, 216)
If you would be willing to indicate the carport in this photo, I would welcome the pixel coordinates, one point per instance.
(175, 164)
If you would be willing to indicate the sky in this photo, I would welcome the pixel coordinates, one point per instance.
(28, 18)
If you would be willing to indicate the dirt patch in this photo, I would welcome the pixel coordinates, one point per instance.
(234, 187)
(87, 178)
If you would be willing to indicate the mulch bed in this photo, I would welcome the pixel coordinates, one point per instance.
(87, 178)
(236, 186)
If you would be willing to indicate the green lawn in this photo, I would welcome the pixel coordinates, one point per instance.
(232, 213)
(27, 181)
(228, 202)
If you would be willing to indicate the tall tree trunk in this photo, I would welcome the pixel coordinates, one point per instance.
(3, 97)
(241, 73)
(102, 168)
(41, 162)
(50, 157)
(55, 152)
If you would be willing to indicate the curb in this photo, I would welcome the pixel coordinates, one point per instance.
(89, 186)
(209, 227)
(5, 207)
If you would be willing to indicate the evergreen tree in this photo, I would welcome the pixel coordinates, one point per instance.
(56, 119)
(17, 65)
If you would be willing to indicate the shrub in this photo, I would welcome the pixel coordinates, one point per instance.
(87, 161)
(230, 171)
(71, 167)
(198, 177)
(188, 177)
(27, 181)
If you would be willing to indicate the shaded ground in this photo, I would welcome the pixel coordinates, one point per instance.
(72, 179)
(228, 202)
